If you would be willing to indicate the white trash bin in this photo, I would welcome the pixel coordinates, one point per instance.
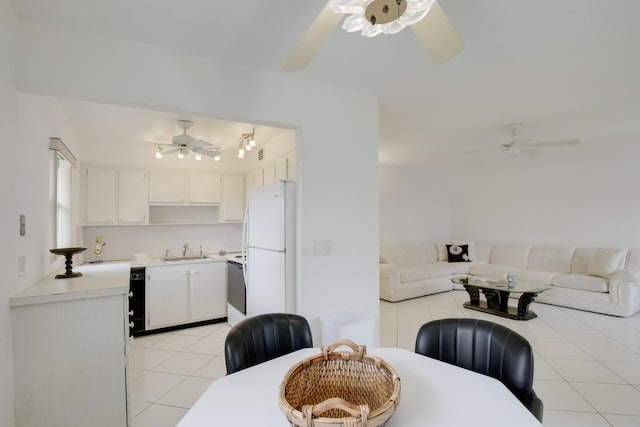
(358, 327)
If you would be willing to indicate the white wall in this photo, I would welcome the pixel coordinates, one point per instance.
(336, 139)
(414, 205)
(123, 242)
(9, 211)
(39, 119)
(583, 195)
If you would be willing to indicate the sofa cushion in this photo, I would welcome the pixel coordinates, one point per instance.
(550, 258)
(458, 253)
(581, 258)
(581, 282)
(409, 254)
(491, 270)
(633, 258)
(444, 256)
(513, 255)
(425, 271)
(605, 262)
(535, 276)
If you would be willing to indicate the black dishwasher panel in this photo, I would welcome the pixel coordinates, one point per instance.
(236, 291)
(136, 300)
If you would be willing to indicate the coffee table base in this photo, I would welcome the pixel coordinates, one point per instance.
(497, 303)
(510, 314)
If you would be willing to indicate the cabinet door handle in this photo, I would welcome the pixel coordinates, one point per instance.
(131, 324)
(131, 313)
(130, 294)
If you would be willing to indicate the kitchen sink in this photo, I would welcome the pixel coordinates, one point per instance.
(183, 258)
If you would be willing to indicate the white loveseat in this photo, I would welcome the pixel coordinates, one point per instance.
(587, 278)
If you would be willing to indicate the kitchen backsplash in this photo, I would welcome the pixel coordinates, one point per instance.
(121, 243)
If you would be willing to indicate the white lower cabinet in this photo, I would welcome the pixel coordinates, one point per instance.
(70, 363)
(179, 294)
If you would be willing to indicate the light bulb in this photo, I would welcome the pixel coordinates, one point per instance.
(216, 157)
(158, 155)
(252, 142)
(248, 147)
(198, 156)
(180, 156)
(241, 154)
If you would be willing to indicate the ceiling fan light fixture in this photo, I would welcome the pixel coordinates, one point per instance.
(198, 156)
(180, 155)
(373, 17)
(159, 153)
(216, 157)
(348, 6)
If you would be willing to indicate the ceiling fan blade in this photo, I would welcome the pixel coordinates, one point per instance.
(315, 37)
(529, 152)
(200, 143)
(210, 152)
(484, 149)
(438, 37)
(173, 150)
(555, 143)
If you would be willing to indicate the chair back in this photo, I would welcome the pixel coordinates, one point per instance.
(481, 346)
(264, 337)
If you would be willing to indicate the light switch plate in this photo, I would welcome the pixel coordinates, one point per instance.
(322, 247)
(23, 225)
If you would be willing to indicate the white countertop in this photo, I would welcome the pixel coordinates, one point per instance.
(109, 278)
(152, 262)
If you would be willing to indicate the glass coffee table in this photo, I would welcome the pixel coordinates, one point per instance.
(497, 294)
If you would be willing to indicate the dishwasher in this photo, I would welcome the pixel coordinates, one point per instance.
(236, 292)
(136, 301)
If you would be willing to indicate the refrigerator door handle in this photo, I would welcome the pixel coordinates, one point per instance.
(245, 241)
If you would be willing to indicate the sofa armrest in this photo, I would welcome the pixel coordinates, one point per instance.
(630, 275)
(389, 274)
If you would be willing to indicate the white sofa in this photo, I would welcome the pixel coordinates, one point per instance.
(587, 278)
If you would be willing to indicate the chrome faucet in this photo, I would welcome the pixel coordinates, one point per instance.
(184, 249)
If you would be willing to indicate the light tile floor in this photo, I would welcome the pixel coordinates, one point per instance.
(587, 366)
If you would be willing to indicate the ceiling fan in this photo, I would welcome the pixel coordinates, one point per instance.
(373, 17)
(184, 143)
(526, 147)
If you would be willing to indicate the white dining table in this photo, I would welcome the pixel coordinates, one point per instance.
(433, 393)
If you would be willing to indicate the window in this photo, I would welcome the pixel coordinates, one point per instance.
(60, 190)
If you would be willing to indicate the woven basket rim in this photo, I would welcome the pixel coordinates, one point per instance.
(377, 416)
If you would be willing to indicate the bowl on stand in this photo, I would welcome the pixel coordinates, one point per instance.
(68, 254)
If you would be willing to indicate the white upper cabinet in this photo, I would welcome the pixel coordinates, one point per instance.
(133, 207)
(286, 167)
(115, 196)
(177, 187)
(269, 174)
(100, 195)
(167, 187)
(232, 197)
(204, 188)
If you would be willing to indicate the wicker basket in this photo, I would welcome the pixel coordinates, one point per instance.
(340, 389)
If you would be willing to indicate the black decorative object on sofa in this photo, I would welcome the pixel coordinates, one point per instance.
(264, 337)
(458, 253)
(487, 348)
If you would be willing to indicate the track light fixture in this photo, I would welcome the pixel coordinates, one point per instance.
(247, 142)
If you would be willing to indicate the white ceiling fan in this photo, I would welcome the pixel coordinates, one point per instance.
(184, 143)
(523, 146)
(373, 17)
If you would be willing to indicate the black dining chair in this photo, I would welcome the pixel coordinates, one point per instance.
(487, 348)
(264, 337)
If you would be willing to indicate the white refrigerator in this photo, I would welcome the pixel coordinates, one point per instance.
(269, 249)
